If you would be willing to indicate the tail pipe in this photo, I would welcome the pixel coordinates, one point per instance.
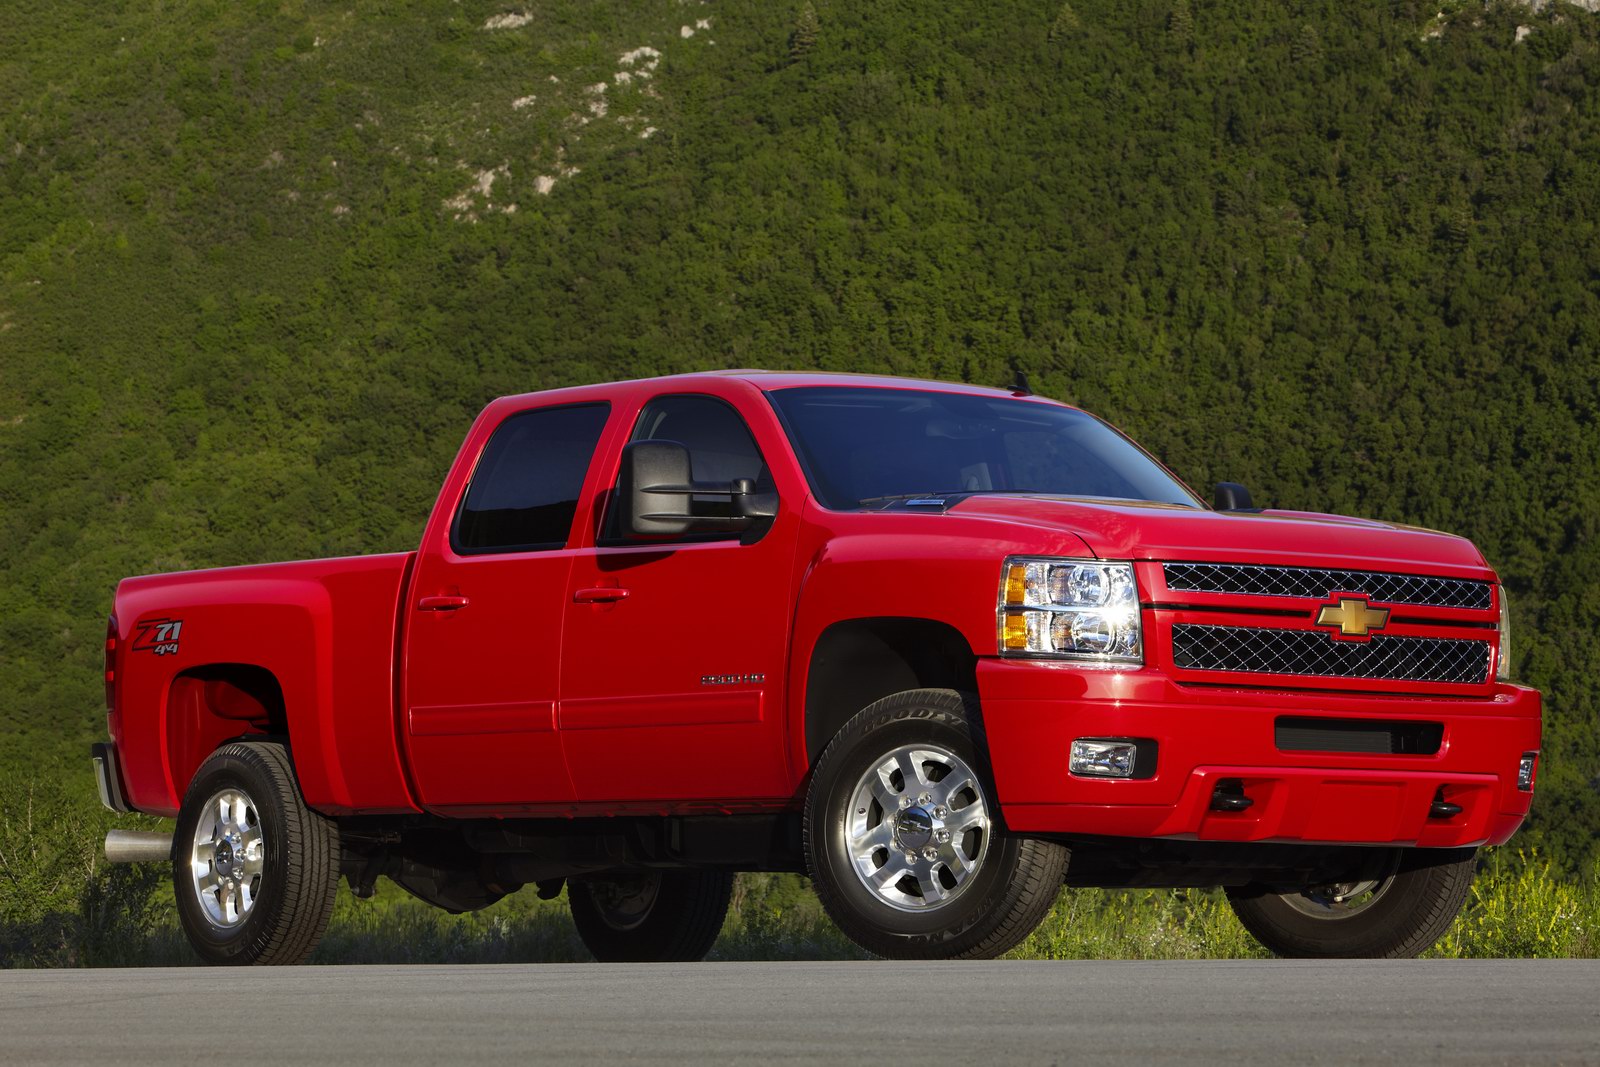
(138, 846)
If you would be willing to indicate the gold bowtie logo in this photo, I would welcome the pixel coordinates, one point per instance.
(1353, 616)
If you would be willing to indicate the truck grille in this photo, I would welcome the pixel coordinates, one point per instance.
(1309, 653)
(1317, 583)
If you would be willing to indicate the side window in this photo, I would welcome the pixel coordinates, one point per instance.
(525, 489)
(720, 446)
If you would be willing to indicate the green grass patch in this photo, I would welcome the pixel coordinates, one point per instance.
(62, 906)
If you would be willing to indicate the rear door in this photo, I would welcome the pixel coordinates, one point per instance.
(673, 654)
(483, 632)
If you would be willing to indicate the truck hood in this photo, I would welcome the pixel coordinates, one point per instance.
(1132, 530)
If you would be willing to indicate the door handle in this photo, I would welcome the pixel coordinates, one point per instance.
(441, 603)
(600, 595)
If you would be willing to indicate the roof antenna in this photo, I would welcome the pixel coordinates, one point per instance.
(1021, 386)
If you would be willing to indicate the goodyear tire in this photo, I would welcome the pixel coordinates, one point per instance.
(904, 840)
(1398, 916)
(651, 917)
(255, 871)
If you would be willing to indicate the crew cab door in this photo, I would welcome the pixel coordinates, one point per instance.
(483, 621)
(673, 652)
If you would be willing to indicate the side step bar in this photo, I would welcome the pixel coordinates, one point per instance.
(138, 846)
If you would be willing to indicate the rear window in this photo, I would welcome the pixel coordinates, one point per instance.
(524, 492)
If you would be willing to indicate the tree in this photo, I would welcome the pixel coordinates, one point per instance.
(1181, 23)
(1066, 22)
(806, 30)
(1307, 47)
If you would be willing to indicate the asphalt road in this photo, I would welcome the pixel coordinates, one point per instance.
(1491, 1011)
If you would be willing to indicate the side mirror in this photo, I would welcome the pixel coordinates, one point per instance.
(1231, 496)
(653, 482)
(656, 485)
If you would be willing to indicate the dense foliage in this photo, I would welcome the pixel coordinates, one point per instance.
(261, 262)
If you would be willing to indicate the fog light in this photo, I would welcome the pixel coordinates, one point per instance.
(1102, 759)
(1524, 771)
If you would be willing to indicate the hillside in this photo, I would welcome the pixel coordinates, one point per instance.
(260, 263)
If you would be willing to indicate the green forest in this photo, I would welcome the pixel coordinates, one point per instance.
(261, 262)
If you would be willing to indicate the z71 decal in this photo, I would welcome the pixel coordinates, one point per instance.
(159, 636)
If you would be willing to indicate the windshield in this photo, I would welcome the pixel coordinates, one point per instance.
(865, 447)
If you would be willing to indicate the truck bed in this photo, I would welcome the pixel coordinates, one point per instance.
(323, 634)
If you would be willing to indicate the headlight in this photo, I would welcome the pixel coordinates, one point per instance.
(1071, 608)
(1502, 669)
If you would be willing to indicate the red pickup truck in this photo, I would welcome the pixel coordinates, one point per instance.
(923, 642)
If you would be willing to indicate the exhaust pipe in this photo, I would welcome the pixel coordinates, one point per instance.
(138, 846)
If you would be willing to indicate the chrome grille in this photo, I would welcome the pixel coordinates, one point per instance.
(1310, 653)
(1318, 583)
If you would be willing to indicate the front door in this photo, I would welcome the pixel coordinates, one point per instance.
(673, 655)
(484, 622)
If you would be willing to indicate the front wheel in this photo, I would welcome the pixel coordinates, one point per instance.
(650, 917)
(1396, 916)
(255, 871)
(904, 840)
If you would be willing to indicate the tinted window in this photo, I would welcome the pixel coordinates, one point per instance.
(866, 447)
(524, 492)
(720, 446)
(719, 443)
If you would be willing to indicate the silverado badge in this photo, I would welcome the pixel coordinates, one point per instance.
(1353, 616)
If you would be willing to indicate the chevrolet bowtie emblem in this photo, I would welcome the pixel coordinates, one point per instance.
(1353, 616)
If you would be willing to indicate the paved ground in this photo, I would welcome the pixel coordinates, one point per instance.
(886, 1013)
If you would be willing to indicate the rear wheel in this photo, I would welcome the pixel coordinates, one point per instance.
(255, 871)
(651, 917)
(1396, 916)
(904, 841)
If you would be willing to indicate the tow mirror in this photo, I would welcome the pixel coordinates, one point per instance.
(1231, 496)
(656, 483)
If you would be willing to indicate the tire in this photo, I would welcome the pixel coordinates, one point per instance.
(1396, 917)
(243, 816)
(967, 889)
(651, 917)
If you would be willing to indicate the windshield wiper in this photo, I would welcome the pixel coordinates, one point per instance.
(938, 494)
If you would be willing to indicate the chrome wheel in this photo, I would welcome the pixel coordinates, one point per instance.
(625, 903)
(227, 858)
(918, 828)
(1339, 900)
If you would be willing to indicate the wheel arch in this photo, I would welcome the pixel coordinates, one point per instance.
(857, 661)
(211, 704)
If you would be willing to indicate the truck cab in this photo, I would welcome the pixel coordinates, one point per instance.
(942, 648)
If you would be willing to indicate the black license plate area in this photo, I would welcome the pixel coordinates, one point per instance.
(1367, 736)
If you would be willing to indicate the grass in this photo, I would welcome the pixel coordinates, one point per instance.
(1519, 908)
(61, 906)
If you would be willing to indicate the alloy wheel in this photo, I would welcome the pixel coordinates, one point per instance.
(918, 827)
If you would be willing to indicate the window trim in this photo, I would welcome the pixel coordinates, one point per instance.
(755, 533)
(466, 490)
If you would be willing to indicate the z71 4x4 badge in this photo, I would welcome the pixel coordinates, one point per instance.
(159, 636)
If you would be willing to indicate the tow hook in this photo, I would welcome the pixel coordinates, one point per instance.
(1442, 808)
(1229, 796)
